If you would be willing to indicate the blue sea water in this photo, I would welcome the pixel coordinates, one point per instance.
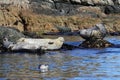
(76, 64)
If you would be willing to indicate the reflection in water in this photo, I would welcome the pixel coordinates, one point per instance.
(77, 64)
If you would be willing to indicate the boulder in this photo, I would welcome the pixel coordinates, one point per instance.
(112, 9)
(11, 33)
(18, 3)
(75, 1)
(116, 2)
(96, 43)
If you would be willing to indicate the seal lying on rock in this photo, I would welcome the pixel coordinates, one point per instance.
(19, 46)
(94, 37)
(45, 44)
(6, 43)
(34, 44)
(98, 31)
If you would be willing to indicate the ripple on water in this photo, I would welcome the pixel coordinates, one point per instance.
(77, 64)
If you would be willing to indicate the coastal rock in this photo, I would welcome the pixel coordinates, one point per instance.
(11, 33)
(44, 15)
(116, 2)
(91, 2)
(96, 43)
(112, 9)
(18, 3)
(75, 1)
(94, 37)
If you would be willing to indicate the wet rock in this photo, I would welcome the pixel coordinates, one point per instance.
(11, 33)
(31, 34)
(96, 43)
(91, 2)
(75, 1)
(63, 29)
(94, 37)
(69, 46)
(18, 3)
(112, 9)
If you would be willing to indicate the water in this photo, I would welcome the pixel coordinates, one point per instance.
(77, 64)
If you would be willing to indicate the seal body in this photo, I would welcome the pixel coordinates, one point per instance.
(45, 44)
(98, 31)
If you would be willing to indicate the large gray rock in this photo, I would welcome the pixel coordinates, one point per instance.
(75, 1)
(18, 3)
(116, 2)
(93, 2)
(66, 7)
(11, 33)
(112, 9)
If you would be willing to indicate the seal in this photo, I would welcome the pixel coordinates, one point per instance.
(45, 44)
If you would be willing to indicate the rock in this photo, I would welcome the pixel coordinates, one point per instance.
(112, 9)
(31, 34)
(11, 33)
(45, 14)
(63, 29)
(87, 2)
(75, 1)
(96, 43)
(18, 3)
(94, 37)
(117, 2)
(93, 2)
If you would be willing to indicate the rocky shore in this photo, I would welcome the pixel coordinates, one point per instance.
(43, 16)
(37, 17)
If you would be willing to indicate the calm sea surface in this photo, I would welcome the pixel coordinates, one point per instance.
(76, 64)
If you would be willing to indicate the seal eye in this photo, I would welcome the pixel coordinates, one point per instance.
(50, 42)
